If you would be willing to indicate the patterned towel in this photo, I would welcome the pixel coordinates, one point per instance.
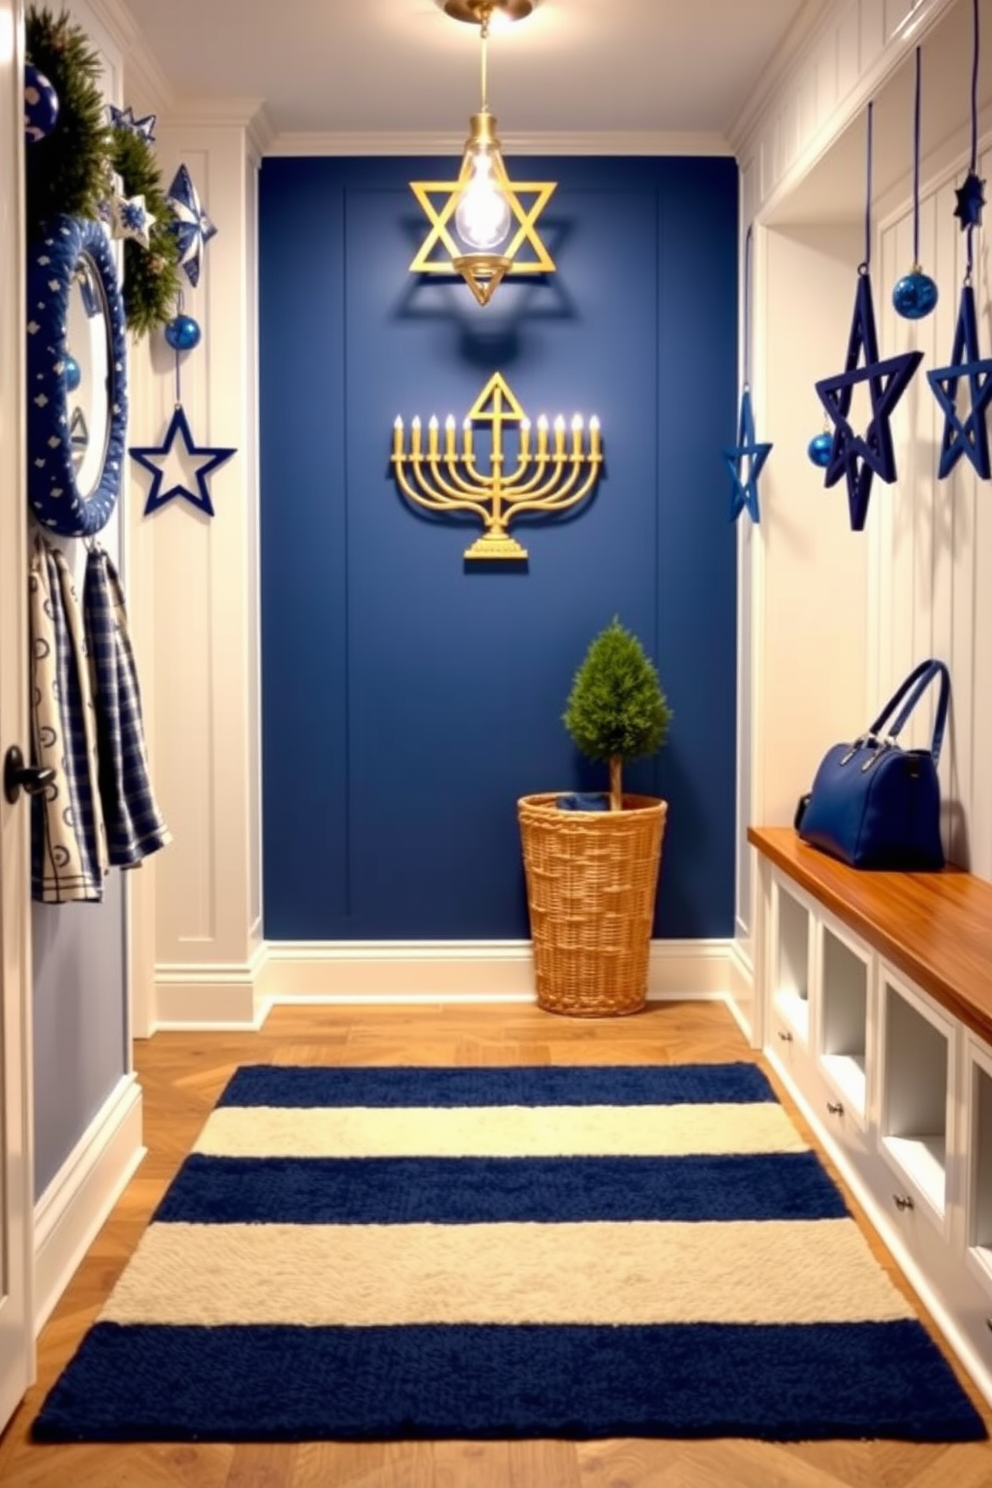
(68, 843)
(134, 824)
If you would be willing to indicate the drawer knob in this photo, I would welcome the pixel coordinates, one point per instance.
(988, 1322)
(836, 1108)
(903, 1201)
(785, 1036)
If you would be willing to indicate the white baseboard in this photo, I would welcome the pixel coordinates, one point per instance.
(212, 995)
(83, 1192)
(740, 996)
(357, 973)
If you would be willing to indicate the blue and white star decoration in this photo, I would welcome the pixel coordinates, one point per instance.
(130, 218)
(170, 482)
(856, 456)
(964, 436)
(123, 118)
(191, 225)
(744, 492)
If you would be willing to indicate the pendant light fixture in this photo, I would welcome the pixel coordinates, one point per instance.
(483, 206)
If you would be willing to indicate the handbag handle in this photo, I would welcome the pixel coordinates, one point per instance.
(916, 685)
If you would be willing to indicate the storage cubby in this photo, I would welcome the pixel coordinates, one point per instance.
(792, 960)
(894, 972)
(915, 1074)
(844, 991)
(980, 1207)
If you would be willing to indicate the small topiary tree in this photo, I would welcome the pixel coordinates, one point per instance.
(617, 710)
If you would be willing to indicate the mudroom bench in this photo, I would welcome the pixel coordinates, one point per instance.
(875, 994)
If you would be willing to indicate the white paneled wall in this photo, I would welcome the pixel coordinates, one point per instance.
(815, 91)
(931, 541)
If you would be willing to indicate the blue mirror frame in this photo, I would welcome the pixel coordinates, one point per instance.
(54, 259)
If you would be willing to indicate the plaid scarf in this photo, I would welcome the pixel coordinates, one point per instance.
(134, 824)
(99, 811)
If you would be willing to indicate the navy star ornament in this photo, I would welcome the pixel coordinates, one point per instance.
(744, 493)
(861, 457)
(971, 200)
(124, 119)
(167, 465)
(964, 436)
(191, 225)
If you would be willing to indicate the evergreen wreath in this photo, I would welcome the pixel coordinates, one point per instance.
(151, 275)
(70, 172)
(67, 171)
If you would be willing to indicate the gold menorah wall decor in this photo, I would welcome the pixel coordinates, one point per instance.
(547, 473)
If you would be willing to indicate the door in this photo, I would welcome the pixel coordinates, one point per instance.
(16, 1167)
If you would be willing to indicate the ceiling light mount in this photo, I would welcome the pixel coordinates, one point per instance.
(476, 11)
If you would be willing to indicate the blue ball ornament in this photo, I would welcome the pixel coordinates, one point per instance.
(41, 105)
(819, 449)
(914, 295)
(71, 372)
(182, 333)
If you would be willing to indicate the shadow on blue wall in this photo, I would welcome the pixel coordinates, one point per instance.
(410, 697)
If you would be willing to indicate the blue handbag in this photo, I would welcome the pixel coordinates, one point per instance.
(874, 804)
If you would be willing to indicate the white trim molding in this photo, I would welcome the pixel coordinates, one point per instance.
(79, 1198)
(414, 143)
(400, 973)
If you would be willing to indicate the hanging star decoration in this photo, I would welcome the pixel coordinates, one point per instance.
(440, 250)
(968, 436)
(130, 218)
(191, 225)
(971, 200)
(860, 457)
(744, 493)
(123, 118)
(167, 463)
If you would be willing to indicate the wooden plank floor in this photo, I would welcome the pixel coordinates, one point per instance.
(182, 1075)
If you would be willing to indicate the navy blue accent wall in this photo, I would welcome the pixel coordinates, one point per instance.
(410, 698)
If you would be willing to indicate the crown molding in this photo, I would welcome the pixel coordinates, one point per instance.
(652, 142)
(809, 23)
(807, 30)
(146, 85)
(249, 115)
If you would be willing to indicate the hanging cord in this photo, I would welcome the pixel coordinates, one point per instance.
(916, 164)
(747, 309)
(970, 260)
(179, 391)
(974, 90)
(484, 39)
(865, 264)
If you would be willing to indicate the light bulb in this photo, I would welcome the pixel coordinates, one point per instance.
(482, 216)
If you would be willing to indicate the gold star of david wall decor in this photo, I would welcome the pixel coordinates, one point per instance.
(546, 474)
(472, 221)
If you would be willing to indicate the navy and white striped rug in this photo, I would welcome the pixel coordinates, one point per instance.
(375, 1254)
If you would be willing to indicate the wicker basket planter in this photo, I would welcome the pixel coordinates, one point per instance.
(592, 880)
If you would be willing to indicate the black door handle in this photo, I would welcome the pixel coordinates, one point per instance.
(18, 776)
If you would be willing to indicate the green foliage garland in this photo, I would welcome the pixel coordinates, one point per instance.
(71, 170)
(68, 170)
(151, 275)
(617, 710)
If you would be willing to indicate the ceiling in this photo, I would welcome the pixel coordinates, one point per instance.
(389, 66)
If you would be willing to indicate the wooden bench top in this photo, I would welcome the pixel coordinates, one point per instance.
(935, 927)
